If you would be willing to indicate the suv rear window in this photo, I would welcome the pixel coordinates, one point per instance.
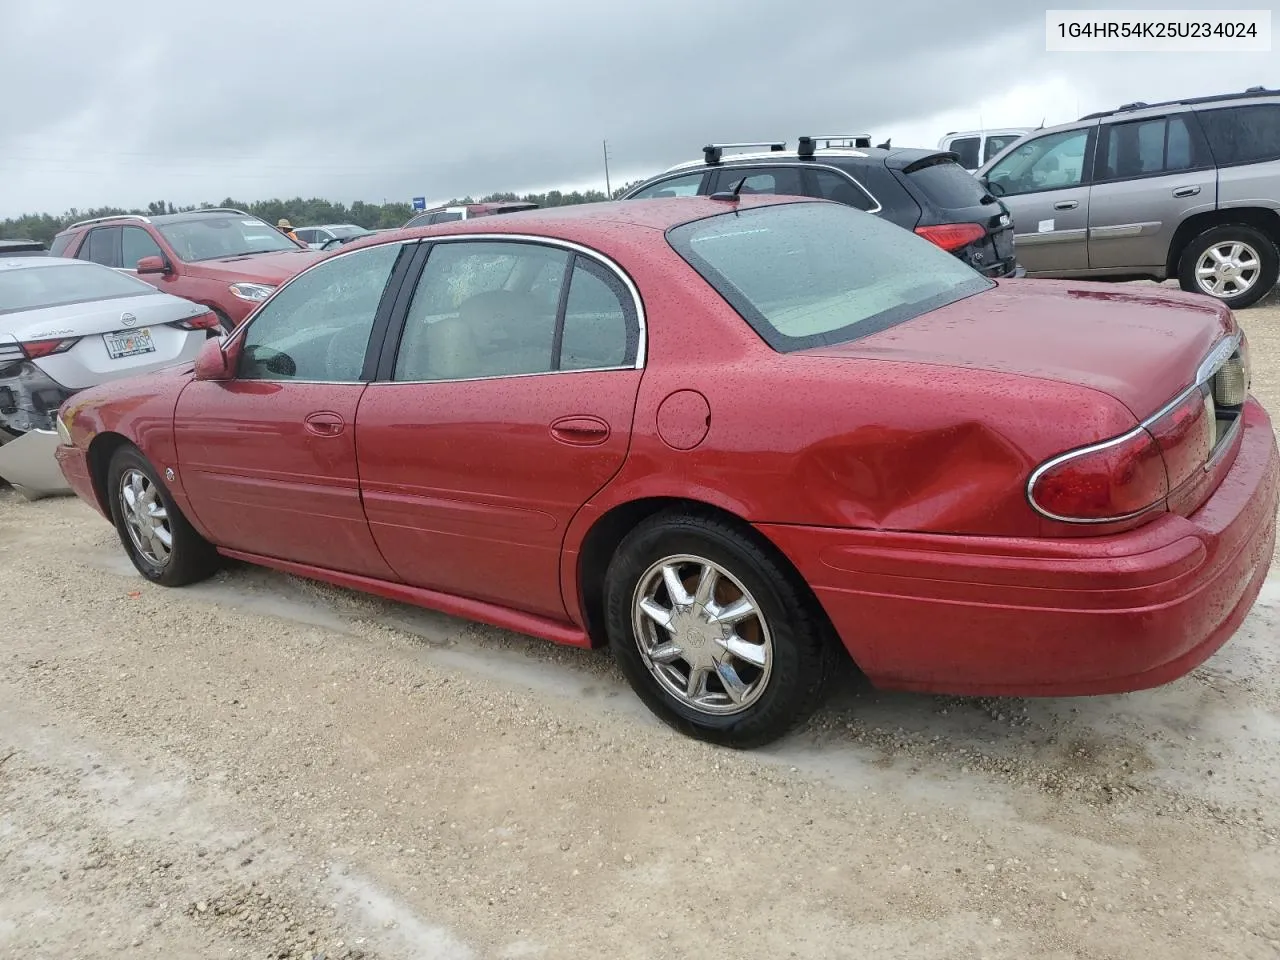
(948, 185)
(808, 274)
(1247, 134)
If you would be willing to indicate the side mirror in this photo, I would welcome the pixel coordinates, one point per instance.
(153, 265)
(216, 361)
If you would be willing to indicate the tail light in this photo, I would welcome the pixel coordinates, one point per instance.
(35, 349)
(205, 321)
(1113, 480)
(952, 236)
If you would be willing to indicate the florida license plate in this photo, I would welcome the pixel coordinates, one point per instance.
(128, 343)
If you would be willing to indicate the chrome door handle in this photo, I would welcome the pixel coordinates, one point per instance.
(1186, 191)
(324, 424)
(1066, 204)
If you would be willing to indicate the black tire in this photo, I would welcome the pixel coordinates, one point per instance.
(191, 557)
(1268, 262)
(803, 651)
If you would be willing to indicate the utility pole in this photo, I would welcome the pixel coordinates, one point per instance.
(608, 188)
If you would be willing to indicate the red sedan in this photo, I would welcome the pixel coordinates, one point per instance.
(732, 438)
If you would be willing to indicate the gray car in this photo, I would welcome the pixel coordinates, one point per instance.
(1187, 189)
(66, 325)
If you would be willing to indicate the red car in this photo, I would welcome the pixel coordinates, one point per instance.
(226, 259)
(731, 438)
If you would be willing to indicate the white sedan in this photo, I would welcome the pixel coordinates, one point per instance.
(69, 324)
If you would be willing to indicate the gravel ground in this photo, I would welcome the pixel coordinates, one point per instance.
(262, 767)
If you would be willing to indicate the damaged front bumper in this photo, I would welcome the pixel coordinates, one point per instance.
(29, 401)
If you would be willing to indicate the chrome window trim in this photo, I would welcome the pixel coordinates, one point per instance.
(500, 376)
(1221, 352)
(606, 262)
(876, 206)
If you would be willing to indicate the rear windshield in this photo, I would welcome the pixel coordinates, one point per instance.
(809, 274)
(352, 231)
(948, 185)
(34, 287)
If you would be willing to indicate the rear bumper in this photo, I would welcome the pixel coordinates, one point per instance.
(1001, 616)
(28, 462)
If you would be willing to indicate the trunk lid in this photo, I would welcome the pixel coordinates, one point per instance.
(99, 316)
(1141, 348)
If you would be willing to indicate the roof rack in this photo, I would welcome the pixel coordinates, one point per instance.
(807, 145)
(222, 210)
(712, 152)
(114, 216)
(1258, 91)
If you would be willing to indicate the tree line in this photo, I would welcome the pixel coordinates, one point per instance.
(299, 212)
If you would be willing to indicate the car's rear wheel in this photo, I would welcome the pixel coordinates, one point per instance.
(715, 635)
(160, 541)
(1236, 264)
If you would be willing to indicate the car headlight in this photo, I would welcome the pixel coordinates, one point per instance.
(253, 292)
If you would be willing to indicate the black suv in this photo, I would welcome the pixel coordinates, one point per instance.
(926, 191)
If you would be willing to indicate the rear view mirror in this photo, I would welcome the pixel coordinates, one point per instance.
(215, 361)
(152, 265)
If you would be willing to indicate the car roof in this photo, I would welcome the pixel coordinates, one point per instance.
(586, 222)
(32, 263)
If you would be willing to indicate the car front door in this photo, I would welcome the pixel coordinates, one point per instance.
(505, 406)
(136, 243)
(1044, 183)
(268, 457)
(1149, 176)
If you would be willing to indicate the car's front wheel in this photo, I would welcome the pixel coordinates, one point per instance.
(714, 634)
(1236, 264)
(160, 541)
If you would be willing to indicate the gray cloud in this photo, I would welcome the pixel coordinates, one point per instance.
(364, 100)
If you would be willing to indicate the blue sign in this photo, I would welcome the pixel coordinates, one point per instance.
(419, 203)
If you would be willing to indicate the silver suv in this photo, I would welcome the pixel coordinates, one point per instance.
(1187, 189)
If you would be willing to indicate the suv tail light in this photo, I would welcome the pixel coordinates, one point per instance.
(205, 321)
(35, 349)
(952, 236)
(1113, 480)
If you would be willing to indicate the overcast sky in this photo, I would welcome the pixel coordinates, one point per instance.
(125, 101)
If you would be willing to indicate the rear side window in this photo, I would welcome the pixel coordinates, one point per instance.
(948, 185)
(1148, 148)
(59, 246)
(839, 188)
(967, 149)
(772, 180)
(686, 186)
(808, 274)
(101, 246)
(447, 216)
(1248, 134)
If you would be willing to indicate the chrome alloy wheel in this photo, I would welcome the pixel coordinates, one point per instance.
(1228, 269)
(145, 517)
(702, 635)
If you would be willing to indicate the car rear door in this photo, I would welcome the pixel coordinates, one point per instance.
(268, 457)
(1045, 185)
(504, 405)
(101, 245)
(1150, 174)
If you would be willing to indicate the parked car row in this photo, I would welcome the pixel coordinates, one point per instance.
(1187, 189)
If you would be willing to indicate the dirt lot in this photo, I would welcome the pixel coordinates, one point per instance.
(261, 767)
